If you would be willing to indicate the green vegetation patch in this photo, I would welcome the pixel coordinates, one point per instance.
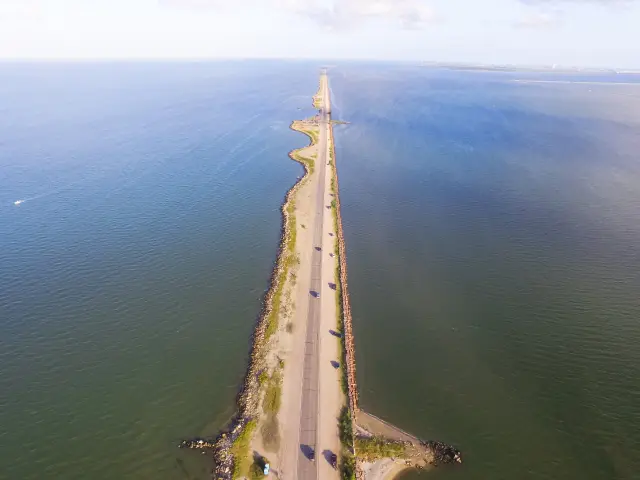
(240, 450)
(374, 448)
(345, 428)
(312, 134)
(289, 261)
(272, 397)
(307, 161)
(348, 466)
(257, 472)
(257, 468)
(272, 319)
(271, 403)
(270, 432)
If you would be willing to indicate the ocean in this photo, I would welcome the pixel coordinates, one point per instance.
(132, 274)
(493, 241)
(492, 231)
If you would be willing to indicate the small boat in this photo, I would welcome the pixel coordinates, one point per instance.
(18, 202)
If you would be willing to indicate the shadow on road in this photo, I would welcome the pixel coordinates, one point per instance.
(330, 457)
(308, 452)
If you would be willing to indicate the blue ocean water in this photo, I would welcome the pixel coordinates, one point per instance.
(131, 274)
(493, 242)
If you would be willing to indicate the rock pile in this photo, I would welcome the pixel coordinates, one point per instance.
(222, 458)
(196, 443)
(350, 360)
(443, 453)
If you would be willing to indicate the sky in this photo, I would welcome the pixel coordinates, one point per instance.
(599, 33)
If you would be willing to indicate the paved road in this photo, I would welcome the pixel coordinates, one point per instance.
(308, 470)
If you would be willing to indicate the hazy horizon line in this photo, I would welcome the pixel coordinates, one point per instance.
(182, 59)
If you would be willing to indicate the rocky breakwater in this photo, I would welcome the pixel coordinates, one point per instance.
(441, 453)
(196, 443)
(350, 358)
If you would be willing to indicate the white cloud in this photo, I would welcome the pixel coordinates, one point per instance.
(539, 20)
(330, 13)
(601, 2)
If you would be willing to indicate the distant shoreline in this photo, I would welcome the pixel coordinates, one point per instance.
(533, 69)
(578, 82)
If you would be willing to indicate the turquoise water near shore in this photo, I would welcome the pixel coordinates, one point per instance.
(493, 243)
(132, 274)
(492, 233)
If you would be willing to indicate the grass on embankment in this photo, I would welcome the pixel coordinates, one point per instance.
(271, 402)
(313, 133)
(290, 260)
(308, 161)
(374, 448)
(240, 450)
(348, 461)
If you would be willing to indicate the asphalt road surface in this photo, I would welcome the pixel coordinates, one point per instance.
(308, 470)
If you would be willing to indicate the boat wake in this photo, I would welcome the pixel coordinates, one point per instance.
(36, 197)
(47, 194)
